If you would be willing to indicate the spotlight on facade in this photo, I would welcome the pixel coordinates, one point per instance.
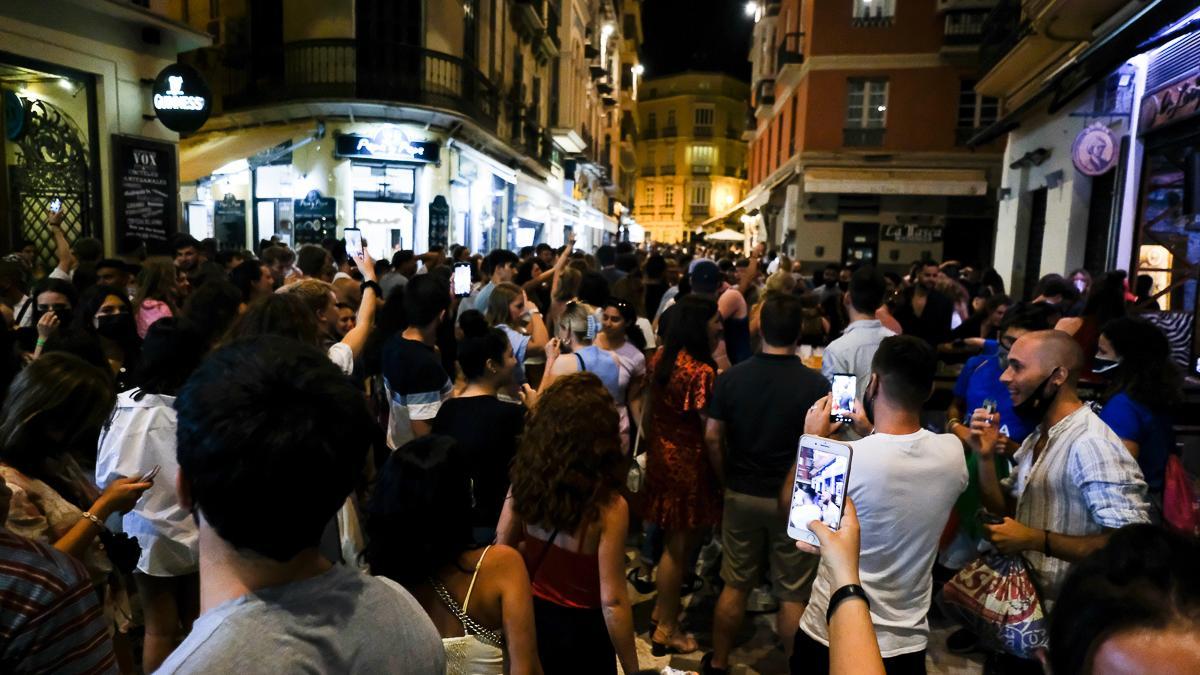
(607, 29)
(751, 8)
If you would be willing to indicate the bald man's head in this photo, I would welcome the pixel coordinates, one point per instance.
(1046, 358)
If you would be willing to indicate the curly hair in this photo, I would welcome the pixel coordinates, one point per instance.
(570, 460)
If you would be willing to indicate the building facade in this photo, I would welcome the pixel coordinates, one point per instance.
(1102, 140)
(74, 116)
(863, 109)
(691, 154)
(431, 123)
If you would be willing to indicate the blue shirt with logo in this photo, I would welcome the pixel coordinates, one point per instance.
(980, 381)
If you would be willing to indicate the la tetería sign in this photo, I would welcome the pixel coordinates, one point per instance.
(182, 99)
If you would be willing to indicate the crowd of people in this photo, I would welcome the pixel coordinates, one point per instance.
(283, 460)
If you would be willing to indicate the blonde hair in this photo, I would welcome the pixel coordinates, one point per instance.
(579, 321)
(314, 292)
(780, 282)
(502, 296)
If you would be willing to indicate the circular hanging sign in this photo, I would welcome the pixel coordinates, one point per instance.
(1096, 150)
(181, 97)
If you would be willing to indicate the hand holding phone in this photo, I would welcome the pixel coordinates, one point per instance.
(845, 390)
(354, 243)
(462, 279)
(820, 487)
(55, 205)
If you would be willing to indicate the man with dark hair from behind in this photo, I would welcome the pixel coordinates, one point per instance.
(607, 257)
(755, 420)
(413, 375)
(271, 440)
(315, 262)
(904, 481)
(855, 349)
(499, 266)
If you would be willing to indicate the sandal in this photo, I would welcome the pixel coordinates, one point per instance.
(706, 666)
(672, 643)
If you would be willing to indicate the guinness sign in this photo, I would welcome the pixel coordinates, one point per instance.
(182, 100)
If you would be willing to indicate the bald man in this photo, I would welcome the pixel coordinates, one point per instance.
(1074, 481)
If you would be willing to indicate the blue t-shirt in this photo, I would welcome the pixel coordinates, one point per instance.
(980, 381)
(1151, 430)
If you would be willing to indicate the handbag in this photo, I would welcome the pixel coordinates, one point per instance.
(996, 599)
(1181, 510)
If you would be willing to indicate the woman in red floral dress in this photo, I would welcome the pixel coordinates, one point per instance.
(683, 494)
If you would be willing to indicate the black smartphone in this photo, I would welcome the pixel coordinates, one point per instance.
(988, 518)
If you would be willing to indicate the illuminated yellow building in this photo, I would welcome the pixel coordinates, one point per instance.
(691, 156)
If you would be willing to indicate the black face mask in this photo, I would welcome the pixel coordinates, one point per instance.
(844, 285)
(119, 327)
(64, 317)
(830, 283)
(868, 403)
(1033, 409)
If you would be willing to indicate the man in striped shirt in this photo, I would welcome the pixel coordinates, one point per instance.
(51, 620)
(1074, 481)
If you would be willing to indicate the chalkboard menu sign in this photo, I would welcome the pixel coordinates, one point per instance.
(146, 191)
(439, 221)
(314, 218)
(229, 223)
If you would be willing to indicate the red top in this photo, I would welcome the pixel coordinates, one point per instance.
(563, 577)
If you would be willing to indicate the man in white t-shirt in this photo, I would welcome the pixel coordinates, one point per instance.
(904, 480)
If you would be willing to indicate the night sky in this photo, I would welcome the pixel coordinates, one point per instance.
(696, 35)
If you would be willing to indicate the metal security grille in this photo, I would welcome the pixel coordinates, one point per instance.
(1174, 61)
(51, 163)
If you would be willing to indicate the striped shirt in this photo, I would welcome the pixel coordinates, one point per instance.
(50, 616)
(416, 385)
(1084, 482)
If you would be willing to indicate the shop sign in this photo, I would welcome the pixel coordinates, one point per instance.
(1096, 150)
(389, 144)
(229, 223)
(146, 187)
(1171, 104)
(181, 97)
(912, 234)
(314, 218)
(439, 221)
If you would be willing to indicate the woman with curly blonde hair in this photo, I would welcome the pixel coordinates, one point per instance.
(566, 514)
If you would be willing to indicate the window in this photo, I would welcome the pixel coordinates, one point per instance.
(649, 194)
(975, 111)
(866, 104)
(668, 195)
(671, 118)
(874, 12)
(650, 157)
(703, 155)
(703, 117)
(698, 195)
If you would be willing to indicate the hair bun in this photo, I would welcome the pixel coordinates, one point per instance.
(473, 324)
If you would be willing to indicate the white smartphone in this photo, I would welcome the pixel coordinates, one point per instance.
(845, 390)
(819, 493)
(354, 245)
(462, 279)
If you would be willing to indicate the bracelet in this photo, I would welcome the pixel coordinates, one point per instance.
(99, 523)
(952, 421)
(371, 285)
(842, 594)
(41, 342)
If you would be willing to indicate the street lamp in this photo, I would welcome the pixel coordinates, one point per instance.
(605, 32)
(637, 70)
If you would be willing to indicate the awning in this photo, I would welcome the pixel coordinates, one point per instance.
(1096, 62)
(948, 182)
(203, 154)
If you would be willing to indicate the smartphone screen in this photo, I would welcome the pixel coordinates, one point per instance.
(845, 389)
(55, 205)
(354, 246)
(462, 279)
(822, 469)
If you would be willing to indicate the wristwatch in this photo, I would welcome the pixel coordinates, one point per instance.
(371, 285)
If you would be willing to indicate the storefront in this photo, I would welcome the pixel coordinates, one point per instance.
(1166, 251)
(79, 124)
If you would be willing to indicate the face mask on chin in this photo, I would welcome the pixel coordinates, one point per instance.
(1033, 409)
(1106, 367)
(868, 400)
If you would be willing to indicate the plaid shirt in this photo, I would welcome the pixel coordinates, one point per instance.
(1084, 482)
(52, 621)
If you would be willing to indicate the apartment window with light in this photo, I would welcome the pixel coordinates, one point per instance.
(699, 195)
(703, 157)
(881, 11)
(669, 196)
(649, 195)
(866, 112)
(975, 111)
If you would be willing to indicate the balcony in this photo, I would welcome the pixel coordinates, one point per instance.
(964, 29)
(702, 132)
(735, 172)
(699, 210)
(604, 86)
(701, 169)
(789, 51)
(529, 17)
(732, 133)
(764, 93)
(649, 134)
(875, 19)
(347, 70)
(597, 70)
(666, 170)
(863, 138)
(670, 132)
(648, 170)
